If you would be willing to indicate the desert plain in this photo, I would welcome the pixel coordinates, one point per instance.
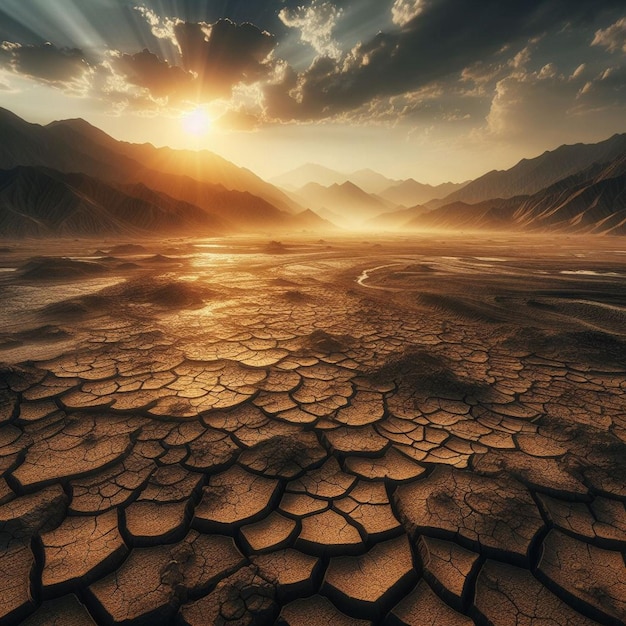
(419, 430)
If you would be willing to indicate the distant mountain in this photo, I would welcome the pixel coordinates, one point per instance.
(396, 219)
(409, 192)
(349, 202)
(371, 181)
(309, 173)
(309, 220)
(368, 180)
(530, 176)
(592, 201)
(37, 202)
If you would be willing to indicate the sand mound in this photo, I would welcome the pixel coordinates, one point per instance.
(161, 258)
(44, 268)
(324, 342)
(294, 295)
(164, 294)
(75, 307)
(128, 266)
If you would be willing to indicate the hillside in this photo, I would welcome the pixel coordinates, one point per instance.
(144, 163)
(37, 202)
(166, 186)
(592, 201)
(530, 176)
(77, 146)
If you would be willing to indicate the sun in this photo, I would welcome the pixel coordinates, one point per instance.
(197, 122)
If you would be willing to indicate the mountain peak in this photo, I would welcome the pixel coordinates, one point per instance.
(83, 128)
(349, 185)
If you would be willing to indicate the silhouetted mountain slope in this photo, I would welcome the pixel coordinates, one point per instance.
(144, 162)
(76, 146)
(41, 202)
(409, 192)
(530, 176)
(597, 206)
(591, 201)
(490, 214)
(309, 220)
(238, 208)
(32, 145)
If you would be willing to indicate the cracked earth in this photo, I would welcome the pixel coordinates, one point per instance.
(423, 432)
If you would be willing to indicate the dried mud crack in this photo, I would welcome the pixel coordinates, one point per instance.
(440, 441)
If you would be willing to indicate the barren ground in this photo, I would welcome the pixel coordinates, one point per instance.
(425, 431)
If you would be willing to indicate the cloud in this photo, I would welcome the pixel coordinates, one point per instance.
(211, 60)
(542, 106)
(403, 11)
(147, 70)
(316, 24)
(161, 27)
(607, 90)
(445, 38)
(224, 54)
(612, 38)
(46, 62)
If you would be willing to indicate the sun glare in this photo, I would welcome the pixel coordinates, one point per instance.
(197, 122)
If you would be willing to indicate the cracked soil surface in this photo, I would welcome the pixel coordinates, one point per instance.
(408, 432)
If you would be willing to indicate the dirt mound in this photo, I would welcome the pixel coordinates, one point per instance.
(44, 268)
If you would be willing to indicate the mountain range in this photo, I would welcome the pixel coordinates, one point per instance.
(345, 204)
(591, 201)
(392, 193)
(530, 176)
(70, 178)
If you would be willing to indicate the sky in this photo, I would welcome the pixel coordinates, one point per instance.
(436, 90)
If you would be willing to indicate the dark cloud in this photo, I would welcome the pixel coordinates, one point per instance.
(606, 90)
(45, 62)
(147, 70)
(224, 54)
(443, 38)
(214, 58)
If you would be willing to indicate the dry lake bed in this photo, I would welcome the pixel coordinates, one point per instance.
(406, 431)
